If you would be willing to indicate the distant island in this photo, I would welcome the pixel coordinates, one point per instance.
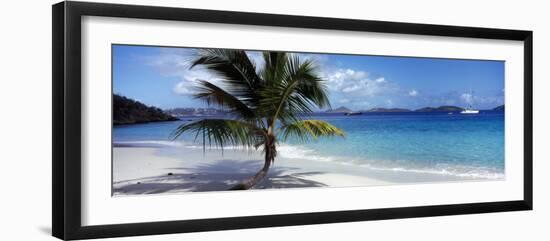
(499, 108)
(346, 110)
(445, 108)
(129, 111)
(183, 112)
(340, 109)
(388, 110)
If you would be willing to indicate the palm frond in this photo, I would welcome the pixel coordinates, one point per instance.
(310, 86)
(296, 90)
(222, 132)
(236, 70)
(275, 66)
(305, 129)
(213, 94)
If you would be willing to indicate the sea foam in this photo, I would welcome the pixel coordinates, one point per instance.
(303, 153)
(469, 172)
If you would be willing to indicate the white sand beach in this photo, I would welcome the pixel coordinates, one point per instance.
(144, 170)
(153, 170)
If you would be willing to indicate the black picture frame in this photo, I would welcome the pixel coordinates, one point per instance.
(66, 168)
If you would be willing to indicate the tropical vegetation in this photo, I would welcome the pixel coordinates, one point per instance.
(268, 103)
(129, 111)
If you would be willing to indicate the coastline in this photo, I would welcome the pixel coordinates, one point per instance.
(154, 169)
(143, 170)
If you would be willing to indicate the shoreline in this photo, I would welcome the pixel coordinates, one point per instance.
(154, 169)
(143, 170)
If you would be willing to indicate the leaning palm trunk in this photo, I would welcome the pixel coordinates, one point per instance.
(265, 102)
(270, 153)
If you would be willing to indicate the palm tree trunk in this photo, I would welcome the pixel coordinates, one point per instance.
(270, 153)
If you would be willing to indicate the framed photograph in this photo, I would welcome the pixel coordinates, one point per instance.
(170, 120)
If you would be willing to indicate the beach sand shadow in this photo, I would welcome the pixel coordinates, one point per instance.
(218, 176)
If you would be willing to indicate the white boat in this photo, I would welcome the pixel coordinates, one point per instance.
(353, 113)
(469, 111)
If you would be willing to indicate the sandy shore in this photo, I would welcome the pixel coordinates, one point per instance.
(146, 170)
(153, 169)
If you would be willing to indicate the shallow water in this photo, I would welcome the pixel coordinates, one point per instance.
(433, 143)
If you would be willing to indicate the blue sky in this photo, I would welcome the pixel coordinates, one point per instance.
(160, 77)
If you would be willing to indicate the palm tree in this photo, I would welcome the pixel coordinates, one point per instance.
(267, 103)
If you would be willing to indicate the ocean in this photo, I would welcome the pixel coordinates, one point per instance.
(470, 146)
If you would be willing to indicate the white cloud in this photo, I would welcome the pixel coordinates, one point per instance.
(176, 62)
(413, 93)
(487, 101)
(356, 83)
(355, 88)
(182, 88)
(351, 88)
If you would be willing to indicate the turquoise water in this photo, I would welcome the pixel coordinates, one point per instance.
(462, 145)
